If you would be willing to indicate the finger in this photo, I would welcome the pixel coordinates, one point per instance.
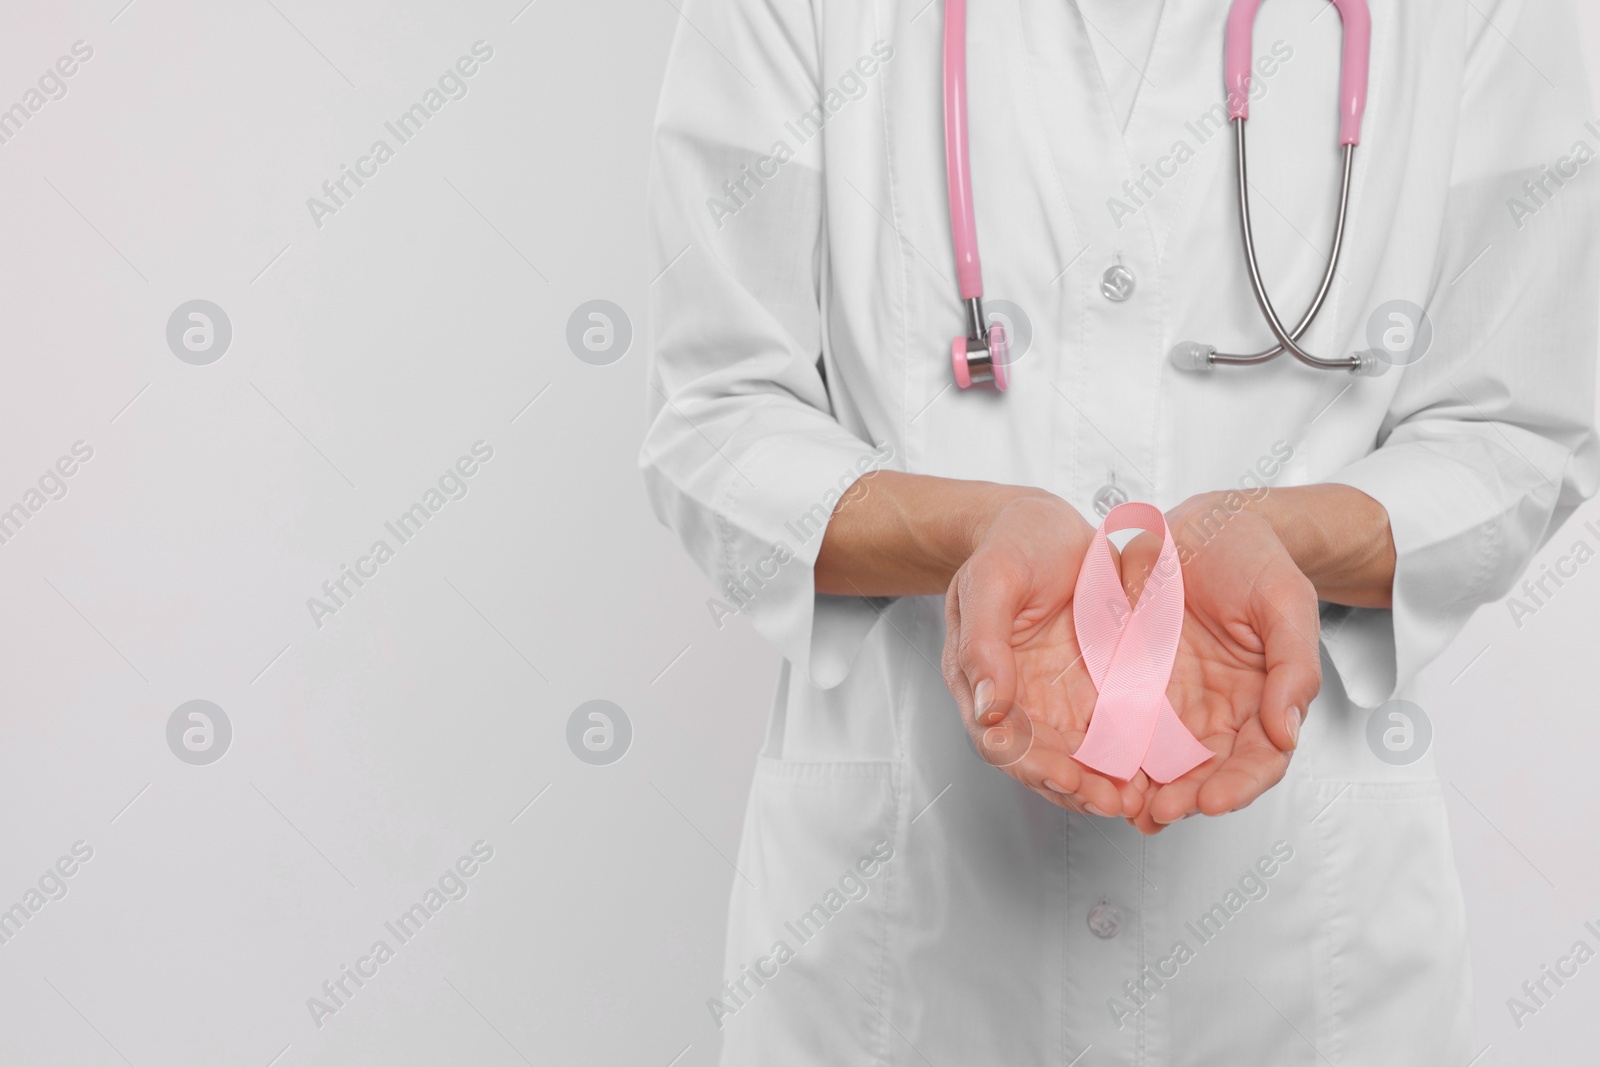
(1031, 752)
(1066, 801)
(1137, 561)
(1076, 804)
(1136, 794)
(1254, 766)
(1285, 615)
(1049, 791)
(1046, 765)
(1179, 798)
(1146, 825)
(1065, 776)
(1098, 796)
(954, 680)
(982, 609)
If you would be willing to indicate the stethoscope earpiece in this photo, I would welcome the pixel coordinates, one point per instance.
(1192, 356)
(1368, 365)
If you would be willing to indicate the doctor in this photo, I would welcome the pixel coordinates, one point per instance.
(912, 891)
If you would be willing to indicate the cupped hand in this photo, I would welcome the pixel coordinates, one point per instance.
(1247, 665)
(1012, 661)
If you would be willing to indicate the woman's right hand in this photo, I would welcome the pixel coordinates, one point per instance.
(1011, 655)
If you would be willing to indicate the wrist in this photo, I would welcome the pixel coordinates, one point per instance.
(984, 507)
(1305, 540)
(1204, 515)
(1337, 536)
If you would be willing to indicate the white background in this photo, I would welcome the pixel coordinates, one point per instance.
(368, 354)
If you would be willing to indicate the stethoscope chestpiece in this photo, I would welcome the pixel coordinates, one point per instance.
(981, 360)
(981, 356)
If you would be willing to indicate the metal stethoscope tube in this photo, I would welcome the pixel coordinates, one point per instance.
(1289, 342)
(1197, 357)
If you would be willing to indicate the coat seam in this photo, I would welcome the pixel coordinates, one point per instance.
(903, 258)
(897, 785)
(1066, 911)
(1142, 1040)
(1328, 938)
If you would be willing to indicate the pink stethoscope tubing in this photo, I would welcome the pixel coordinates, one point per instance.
(981, 355)
(1353, 73)
(958, 170)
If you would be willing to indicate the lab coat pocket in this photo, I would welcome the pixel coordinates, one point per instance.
(807, 927)
(1396, 930)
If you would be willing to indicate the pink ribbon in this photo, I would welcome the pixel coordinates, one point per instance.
(1129, 651)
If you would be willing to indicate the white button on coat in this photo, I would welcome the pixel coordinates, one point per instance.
(1110, 495)
(1117, 284)
(798, 194)
(1105, 922)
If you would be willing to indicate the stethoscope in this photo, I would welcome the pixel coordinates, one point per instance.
(981, 356)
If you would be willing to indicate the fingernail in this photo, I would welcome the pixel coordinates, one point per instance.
(1296, 717)
(1048, 784)
(983, 698)
(1092, 810)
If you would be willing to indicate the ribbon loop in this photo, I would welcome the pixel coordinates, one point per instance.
(1129, 651)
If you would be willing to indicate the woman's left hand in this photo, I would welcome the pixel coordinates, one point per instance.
(1247, 665)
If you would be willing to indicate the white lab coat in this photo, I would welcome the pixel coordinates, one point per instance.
(802, 323)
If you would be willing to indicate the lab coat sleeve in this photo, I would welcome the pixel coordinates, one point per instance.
(743, 457)
(1490, 444)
